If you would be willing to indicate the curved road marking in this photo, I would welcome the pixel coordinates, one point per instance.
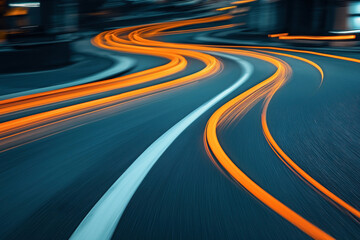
(101, 221)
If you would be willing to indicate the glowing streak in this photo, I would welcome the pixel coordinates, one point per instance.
(198, 29)
(225, 8)
(243, 2)
(301, 59)
(325, 38)
(110, 40)
(277, 35)
(279, 77)
(279, 151)
(289, 162)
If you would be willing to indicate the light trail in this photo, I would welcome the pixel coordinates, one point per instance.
(113, 40)
(283, 49)
(279, 152)
(283, 156)
(12, 129)
(303, 60)
(289, 162)
(226, 8)
(243, 2)
(272, 84)
(292, 165)
(198, 29)
(324, 38)
(177, 63)
(277, 35)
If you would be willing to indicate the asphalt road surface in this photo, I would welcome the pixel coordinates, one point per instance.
(199, 141)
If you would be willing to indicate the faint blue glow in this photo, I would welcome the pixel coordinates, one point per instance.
(354, 23)
(354, 8)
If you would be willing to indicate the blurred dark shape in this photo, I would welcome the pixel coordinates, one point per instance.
(86, 6)
(302, 17)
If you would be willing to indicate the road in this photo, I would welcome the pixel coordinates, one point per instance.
(200, 140)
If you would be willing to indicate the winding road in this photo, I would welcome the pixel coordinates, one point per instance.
(200, 140)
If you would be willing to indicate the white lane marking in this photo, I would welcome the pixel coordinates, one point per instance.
(121, 64)
(101, 221)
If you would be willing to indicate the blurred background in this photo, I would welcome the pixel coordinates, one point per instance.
(51, 25)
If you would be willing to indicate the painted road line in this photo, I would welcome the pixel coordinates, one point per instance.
(101, 221)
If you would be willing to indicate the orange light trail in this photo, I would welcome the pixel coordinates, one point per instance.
(242, 101)
(282, 155)
(177, 63)
(293, 50)
(289, 162)
(199, 29)
(111, 40)
(15, 127)
(243, 2)
(301, 59)
(277, 35)
(225, 8)
(114, 40)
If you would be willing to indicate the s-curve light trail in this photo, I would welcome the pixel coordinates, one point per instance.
(281, 154)
(276, 148)
(242, 102)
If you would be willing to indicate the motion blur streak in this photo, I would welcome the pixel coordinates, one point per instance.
(101, 221)
(197, 30)
(270, 85)
(327, 38)
(301, 51)
(277, 35)
(243, 1)
(225, 8)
